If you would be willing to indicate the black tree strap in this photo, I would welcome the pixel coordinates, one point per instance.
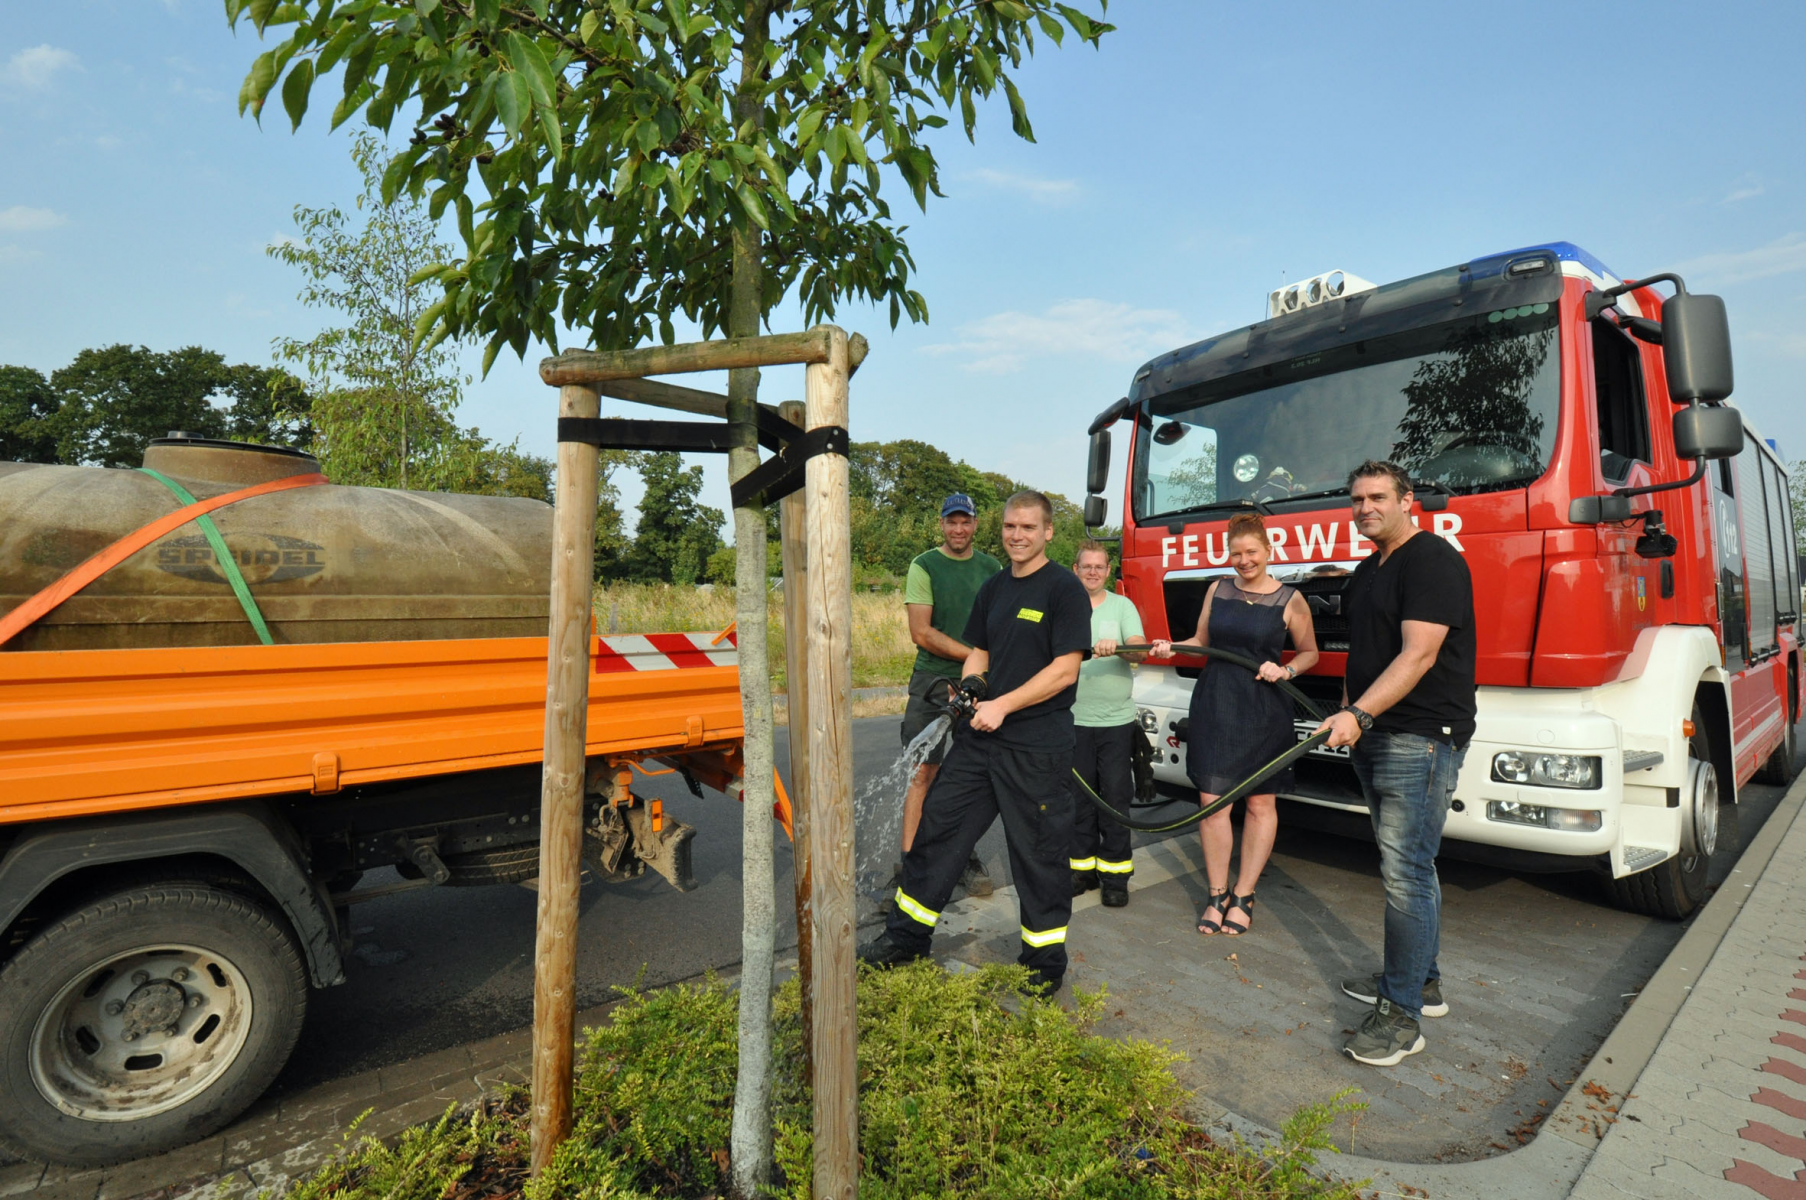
(614, 433)
(783, 472)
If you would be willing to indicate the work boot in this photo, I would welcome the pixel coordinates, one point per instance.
(1385, 1037)
(882, 952)
(1083, 881)
(1042, 986)
(1367, 991)
(975, 879)
(1115, 894)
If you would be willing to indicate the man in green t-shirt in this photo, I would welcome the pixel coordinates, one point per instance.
(1104, 731)
(938, 594)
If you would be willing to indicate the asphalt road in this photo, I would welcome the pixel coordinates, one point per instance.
(437, 967)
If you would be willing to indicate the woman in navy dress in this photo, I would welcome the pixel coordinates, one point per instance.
(1239, 721)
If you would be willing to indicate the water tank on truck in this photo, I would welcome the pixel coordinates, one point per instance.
(324, 563)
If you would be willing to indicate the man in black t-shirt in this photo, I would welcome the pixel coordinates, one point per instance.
(1029, 628)
(1410, 672)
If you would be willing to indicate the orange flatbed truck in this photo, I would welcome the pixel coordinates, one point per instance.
(183, 828)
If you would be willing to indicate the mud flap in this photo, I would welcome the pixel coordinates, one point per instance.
(666, 848)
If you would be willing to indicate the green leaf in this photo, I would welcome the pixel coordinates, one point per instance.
(524, 52)
(512, 100)
(1018, 111)
(549, 128)
(1013, 10)
(487, 12)
(645, 19)
(755, 208)
(808, 123)
(1051, 28)
(295, 88)
(395, 176)
(586, 29)
(257, 84)
(260, 13)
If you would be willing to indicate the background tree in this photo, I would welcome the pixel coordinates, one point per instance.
(114, 400)
(647, 158)
(677, 534)
(28, 406)
(613, 546)
(1796, 495)
(384, 408)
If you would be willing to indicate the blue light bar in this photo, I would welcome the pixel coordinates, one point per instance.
(1494, 264)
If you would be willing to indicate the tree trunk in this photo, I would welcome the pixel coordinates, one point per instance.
(750, 1147)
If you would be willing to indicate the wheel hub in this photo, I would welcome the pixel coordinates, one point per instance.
(152, 1008)
(140, 1033)
(1699, 831)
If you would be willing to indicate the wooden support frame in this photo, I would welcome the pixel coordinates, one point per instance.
(794, 544)
(819, 623)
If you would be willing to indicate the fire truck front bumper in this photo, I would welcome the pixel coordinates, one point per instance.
(1544, 779)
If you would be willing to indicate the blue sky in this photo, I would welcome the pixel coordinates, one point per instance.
(1203, 155)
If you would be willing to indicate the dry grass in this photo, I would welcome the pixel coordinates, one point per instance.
(882, 652)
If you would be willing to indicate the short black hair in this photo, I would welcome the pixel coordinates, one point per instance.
(1375, 467)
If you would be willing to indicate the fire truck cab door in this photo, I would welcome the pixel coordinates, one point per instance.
(1726, 537)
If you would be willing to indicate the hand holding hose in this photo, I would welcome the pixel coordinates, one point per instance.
(1343, 727)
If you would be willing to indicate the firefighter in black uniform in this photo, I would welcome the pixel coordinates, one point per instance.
(1029, 629)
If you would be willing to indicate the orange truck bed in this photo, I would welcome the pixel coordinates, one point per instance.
(89, 732)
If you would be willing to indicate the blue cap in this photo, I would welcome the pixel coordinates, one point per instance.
(958, 502)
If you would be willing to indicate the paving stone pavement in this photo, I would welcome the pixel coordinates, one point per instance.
(1719, 1112)
(1707, 1097)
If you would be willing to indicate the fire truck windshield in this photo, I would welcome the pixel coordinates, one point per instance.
(1469, 404)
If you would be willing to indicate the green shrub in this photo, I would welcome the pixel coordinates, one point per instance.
(966, 1090)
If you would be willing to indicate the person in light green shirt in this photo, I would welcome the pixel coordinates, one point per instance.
(1104, 726)
(937, 595)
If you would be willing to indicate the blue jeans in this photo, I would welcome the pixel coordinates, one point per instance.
(1408, 781)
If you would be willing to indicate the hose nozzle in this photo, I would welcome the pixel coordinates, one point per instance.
(963, 700)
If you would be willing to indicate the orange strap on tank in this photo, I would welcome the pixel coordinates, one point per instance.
(20, 618)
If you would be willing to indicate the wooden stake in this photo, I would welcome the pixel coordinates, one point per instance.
(561, 789)
(830, 786)
(793, 541)
(600, 366)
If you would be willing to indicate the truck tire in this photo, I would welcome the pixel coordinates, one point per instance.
(1778, 769)
(1675, 887)
(144, 1021)
(482, 868)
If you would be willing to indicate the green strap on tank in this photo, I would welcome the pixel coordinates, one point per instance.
(227, 563)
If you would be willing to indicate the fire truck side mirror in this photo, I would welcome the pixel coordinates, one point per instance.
(1097, 467)
(1708, 431)
(1696, 348)
(1096, 509)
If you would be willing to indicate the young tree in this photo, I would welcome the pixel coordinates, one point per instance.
(28, 406)
(651, 157)
(383, 404)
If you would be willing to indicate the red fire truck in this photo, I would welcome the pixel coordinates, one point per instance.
(1631, 542)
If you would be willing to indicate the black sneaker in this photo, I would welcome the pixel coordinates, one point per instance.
(882, 952)
(975, 879)
(1367, 991)
(1116, 895)
(1083, 881)
(1385, 1037)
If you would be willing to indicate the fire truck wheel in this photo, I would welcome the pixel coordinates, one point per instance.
(142, 1022)
(1779, 767)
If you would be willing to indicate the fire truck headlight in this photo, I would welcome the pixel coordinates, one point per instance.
(1148, 721)
(1567, 820)
(1547, 770)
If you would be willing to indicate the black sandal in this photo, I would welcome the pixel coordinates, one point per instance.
(1246, 904)
(1220, 902)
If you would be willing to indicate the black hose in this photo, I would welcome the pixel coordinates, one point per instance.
(1241, 789)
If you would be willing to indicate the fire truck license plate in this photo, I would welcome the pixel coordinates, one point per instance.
(1306, 728)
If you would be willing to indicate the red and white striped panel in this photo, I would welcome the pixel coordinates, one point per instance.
(663, 652)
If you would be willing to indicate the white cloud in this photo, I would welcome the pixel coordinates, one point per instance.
(1041, 191)
(1783, 256)
(20, 219)
(1746, 192)
(31, 69)
(1005, 342)
(1789, 344)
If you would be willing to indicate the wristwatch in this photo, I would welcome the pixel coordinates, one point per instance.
(1362, 717)
(1291, 671)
